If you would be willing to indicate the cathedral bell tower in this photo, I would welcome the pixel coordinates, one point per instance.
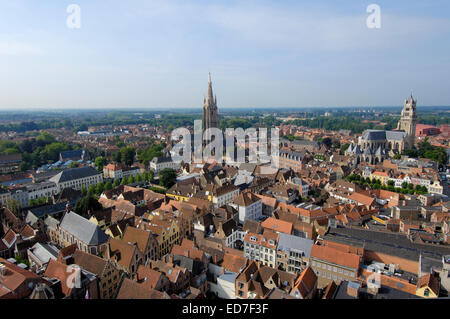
(408, 121)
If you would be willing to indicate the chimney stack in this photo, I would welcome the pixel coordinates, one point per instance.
(353, 289)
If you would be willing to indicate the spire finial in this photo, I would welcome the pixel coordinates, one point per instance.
(209, 77)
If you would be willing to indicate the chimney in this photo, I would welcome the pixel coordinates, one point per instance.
(2, 270)
(353, 289)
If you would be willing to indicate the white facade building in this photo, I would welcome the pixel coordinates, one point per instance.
(249, 206)
(77, 178)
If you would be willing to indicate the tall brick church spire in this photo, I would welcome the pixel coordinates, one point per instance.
(210, 112)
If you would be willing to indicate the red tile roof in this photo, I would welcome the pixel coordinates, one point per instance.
(335, 256)
(277, 225)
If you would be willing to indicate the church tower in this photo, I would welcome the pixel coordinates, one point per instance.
(210, 113)
(408, 121)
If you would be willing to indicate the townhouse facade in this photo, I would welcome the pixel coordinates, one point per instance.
(261, 247)
(108, 276)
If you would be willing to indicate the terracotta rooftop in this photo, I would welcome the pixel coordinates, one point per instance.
(335, 256)
(277, 225)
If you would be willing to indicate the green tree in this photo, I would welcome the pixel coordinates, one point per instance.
(327, 142)
(21, 260)
(100, 188)
(151, 176)
(130, 179)
(100, 162)
(108, 185)
(117, 157)
(86, 204)
(344, 147)
(116, 183)
(91, 190)
(167, 177)
(147, 155)
(73, 165)
(37, 202)
(127, 155)
(14, 206)
(45, 138)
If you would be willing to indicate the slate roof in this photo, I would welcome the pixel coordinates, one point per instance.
(73, 174)
(375, 135)
(47, 210)
(72, 154)
(194, 266)
(249, 167)
(395, 135)
(83, 229)
(291, 155)
(290, 242)
(161, 159)
(44, 252)
(11, 158)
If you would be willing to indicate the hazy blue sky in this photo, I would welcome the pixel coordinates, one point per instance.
(261, 53)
